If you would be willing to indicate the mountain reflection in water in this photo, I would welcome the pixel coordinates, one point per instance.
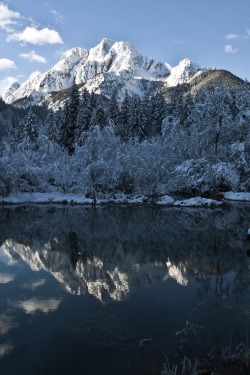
(122, 254)
(111, 252)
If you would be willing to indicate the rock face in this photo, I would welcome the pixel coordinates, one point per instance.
(108, 66)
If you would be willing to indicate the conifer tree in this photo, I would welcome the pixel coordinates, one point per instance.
(93, 120)
(63, 136)
(159, 113)
(84, 115)
(51, 129)
(133, 115)
(175, 105)
(143, 118)
(123, 116)
(69, 120)
(101, 115)
(113, 110)
(31, 127)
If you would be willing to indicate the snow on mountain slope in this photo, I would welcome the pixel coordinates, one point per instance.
(61, 76)
(183, 72)
(10, 91)
(110, 64)
(28, 88)
(31, 86)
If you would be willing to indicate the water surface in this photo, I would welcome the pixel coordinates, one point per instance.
(81, 288)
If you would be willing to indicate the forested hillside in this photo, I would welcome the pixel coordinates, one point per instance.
(192, 139)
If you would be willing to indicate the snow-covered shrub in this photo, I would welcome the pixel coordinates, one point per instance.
(28, 181)
(245, 185)
(8, 173)
(225, 176)
(3, 189)
(5, 182)
(192, 176)
(146, 163)
(240, 157)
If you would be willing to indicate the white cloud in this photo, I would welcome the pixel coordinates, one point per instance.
(231, 36)
(6, 64)
(7, 17)
(32, 305)
(229, 49)
(4, 84)
(33, 57)
(58, 16)
(35, 36)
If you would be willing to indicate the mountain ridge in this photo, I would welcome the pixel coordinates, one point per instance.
(104, 67)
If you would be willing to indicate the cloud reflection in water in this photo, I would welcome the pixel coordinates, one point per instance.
(6, 324)
(5, 349)
(6, 278)
(33, 305)
(33, 285)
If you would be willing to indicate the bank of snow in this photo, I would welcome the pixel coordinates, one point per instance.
(240, 196)
(21, 198)
(198, 202)
(57, 198)
(165, 200)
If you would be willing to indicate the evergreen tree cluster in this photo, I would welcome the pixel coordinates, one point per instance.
(133, 117)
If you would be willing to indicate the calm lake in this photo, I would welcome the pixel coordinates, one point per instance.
(116, 290)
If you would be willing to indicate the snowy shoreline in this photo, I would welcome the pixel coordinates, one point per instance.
(237, 196)
(80, 199)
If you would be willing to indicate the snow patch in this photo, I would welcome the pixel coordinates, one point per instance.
(165, 200)
(21, 198)
(60, 198)
(198, 202)
(240, 196)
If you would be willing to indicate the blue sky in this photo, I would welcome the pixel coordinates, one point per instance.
(34, 33)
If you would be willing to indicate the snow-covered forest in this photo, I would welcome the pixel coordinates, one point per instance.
(196, 144)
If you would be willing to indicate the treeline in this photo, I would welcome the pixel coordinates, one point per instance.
(150, 145)
(133, 117)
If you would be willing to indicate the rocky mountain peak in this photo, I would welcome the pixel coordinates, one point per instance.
(8, 93)
(183, 72)
(70, 58)
(99, 52)
(104, 67)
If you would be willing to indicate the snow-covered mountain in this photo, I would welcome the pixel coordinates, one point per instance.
(107, 66)
(183, 72)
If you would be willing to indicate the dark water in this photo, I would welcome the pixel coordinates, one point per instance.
(80, 288)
